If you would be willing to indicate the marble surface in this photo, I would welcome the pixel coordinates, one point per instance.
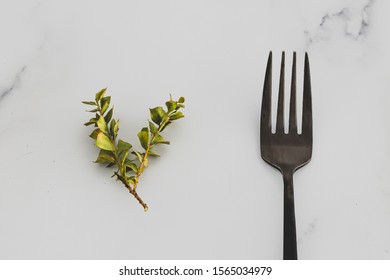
(210, 194)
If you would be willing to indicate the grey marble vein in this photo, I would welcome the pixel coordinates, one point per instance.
(14, 83)
(346, 16)
(366, 15)
(311, 227)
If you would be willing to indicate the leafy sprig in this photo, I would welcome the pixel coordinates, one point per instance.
(129, 162)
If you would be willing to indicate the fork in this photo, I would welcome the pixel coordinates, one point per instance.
(287, 151)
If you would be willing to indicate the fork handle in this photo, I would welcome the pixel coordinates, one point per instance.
(289, 229)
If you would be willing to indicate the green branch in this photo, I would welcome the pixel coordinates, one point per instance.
(130, 163)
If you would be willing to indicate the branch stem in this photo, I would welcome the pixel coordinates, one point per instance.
(142, 165)
(145, 157)
(132, 191)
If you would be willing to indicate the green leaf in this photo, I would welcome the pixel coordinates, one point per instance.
(181, 99)
(105, 157)
(89, 123)
(143, 136)
(153, 154)
(94, 133)
(138, 154)
(157, 115)
(105, 103)
(153, 128)
(100, 95)
(129, 160)
(103, 142)
(158, 139)
(108, 116)
(101, 123)
(89, 103)
(176, 116)
(123, 146)
(171, 105)
(132, 166)
(131, 180)
(123, 159)
(114, 127)
(165, 125)
(93, 111)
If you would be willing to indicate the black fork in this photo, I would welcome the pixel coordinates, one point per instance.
(287, 152)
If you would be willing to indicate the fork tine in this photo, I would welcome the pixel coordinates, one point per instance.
(293, 106)
(280, 112)
(307, 106)
(265, 122)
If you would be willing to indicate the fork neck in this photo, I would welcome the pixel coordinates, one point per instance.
(287, 173)
(289, 187)
(289, 228)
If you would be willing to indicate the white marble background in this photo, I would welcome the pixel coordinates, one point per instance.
(210, 194)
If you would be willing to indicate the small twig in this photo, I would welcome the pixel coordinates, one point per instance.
(132, 191)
